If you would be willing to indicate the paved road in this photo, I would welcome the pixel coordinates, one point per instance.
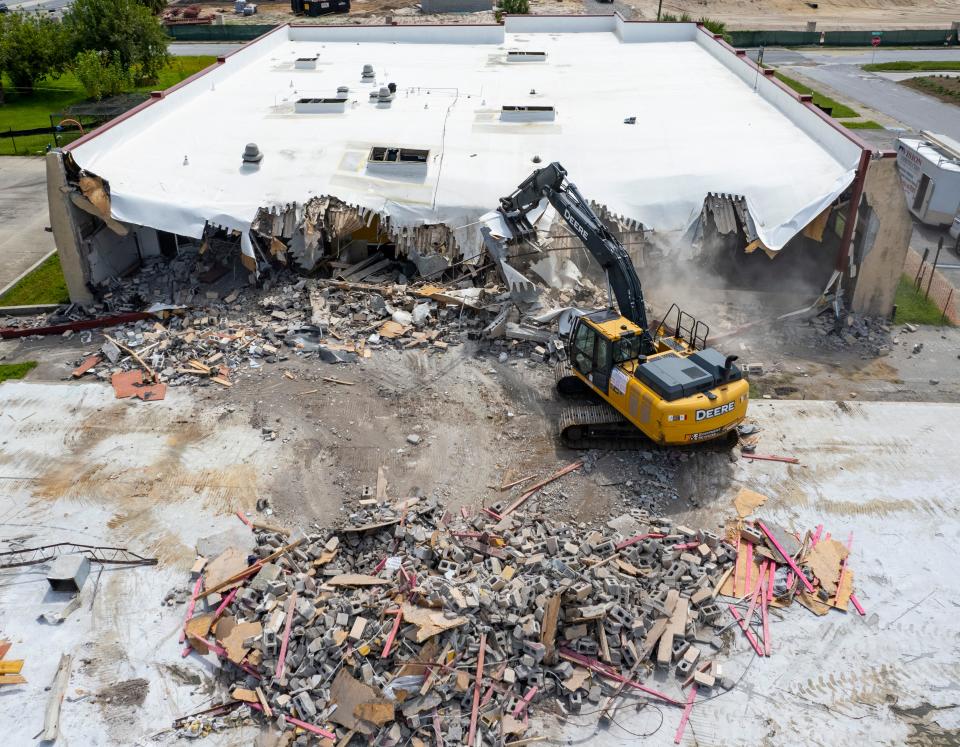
(23, 215)
(840, 70)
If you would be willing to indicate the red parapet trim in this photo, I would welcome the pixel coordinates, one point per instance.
(156, 96)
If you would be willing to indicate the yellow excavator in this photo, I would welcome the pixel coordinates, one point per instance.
(662, 384)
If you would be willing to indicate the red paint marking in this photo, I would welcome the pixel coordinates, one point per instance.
(746, 630)
(611, 673)
(793, 566)
(225, 603)
(393, 634)
(765, 619)
(522, 705)
(302, 724)
(856, 603)
(286, 635)
(686, 715)
(476, 691)
(191, 606)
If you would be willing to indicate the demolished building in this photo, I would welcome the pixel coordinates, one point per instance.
(318, 144)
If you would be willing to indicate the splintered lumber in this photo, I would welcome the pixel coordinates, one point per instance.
(12, 679)
(516, 482)
(51, 717)
(555, 476)
(250, 570)
(786, 556)
(133, 354)
(771, 458)
(843, 568)
(11, 666)
(678, 737)
(476, 691)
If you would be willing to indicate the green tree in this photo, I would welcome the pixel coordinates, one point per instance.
(101, 74)
(156, 6)
(31, 49)
(122, 27)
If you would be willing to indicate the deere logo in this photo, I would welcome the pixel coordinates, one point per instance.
(714, 411)
(575, 224)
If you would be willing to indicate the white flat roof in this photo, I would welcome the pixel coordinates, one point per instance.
(705, 122)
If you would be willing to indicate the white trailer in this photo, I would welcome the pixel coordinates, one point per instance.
(930, 170)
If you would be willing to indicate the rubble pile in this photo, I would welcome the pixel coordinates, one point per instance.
(412, 625)
(871, 334)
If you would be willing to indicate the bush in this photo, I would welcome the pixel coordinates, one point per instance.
(31, 48)
(101, 74)
(671, 18)
(514, 7)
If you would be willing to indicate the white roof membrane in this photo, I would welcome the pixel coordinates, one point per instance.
(704, 123)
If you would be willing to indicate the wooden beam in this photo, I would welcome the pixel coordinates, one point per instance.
(51, 716)
(555, 476)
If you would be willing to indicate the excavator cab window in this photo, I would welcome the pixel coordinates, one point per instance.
(583, 343)
(592, 355)
(627, 349)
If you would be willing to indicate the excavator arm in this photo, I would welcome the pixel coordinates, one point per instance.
(551, 182)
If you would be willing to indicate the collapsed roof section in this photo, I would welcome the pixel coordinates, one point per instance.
(650, 118)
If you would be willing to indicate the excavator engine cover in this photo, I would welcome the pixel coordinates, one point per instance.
(673, 376)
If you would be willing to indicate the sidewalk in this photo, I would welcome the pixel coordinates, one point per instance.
(23, 216)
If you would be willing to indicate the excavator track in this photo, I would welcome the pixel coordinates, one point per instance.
(600, 427)
(596, 425)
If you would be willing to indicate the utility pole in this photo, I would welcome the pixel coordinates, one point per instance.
(659, 8)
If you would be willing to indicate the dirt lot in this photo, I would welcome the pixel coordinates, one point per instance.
(737, 14)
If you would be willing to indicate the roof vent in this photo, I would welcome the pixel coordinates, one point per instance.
(367, 73)
(321, 106)
(252, 154)
(342, 91)
(305, 63)
(516, 55)
(527, 114)
(394, 161)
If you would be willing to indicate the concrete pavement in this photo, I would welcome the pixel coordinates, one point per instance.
(23, 216)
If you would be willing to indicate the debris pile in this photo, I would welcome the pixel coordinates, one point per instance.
(412, 625)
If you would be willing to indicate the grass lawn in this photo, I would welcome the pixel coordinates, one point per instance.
(43, 285)
(10, 371)
(908, 65)
(944, 87)
(22, 112)
(913, 307)
(840, 111)
(866, 124)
